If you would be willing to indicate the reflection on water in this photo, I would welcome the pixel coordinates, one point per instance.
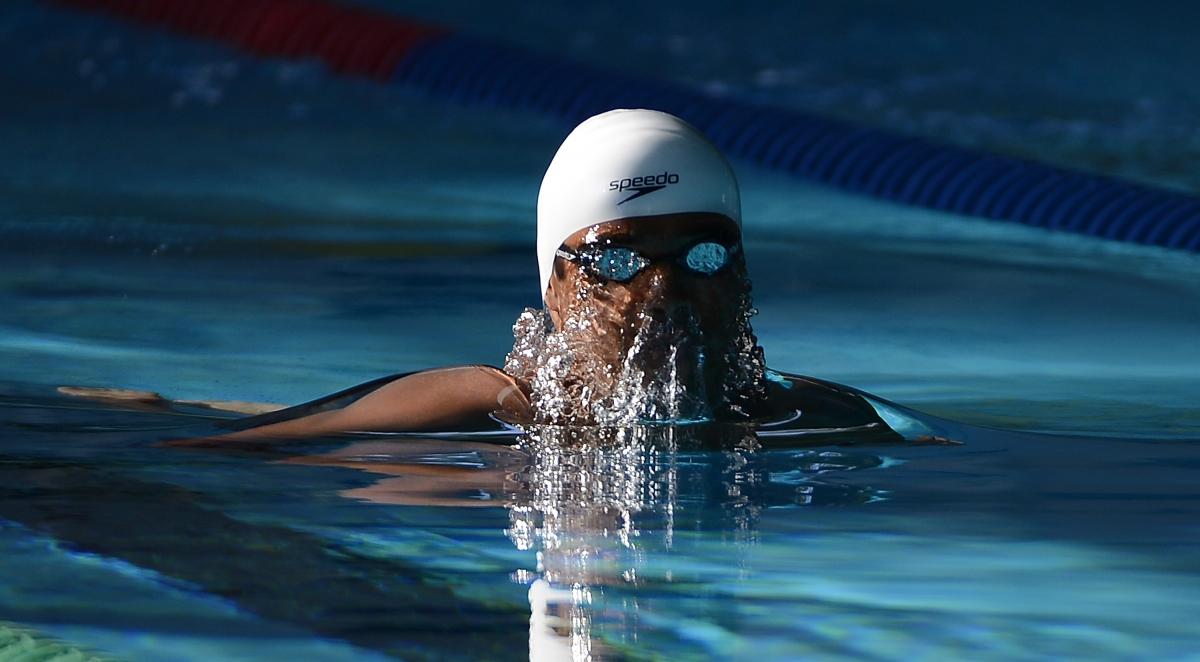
(696, 542)
(596, 504)
(601, 509)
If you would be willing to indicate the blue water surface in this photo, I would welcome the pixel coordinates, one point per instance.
(177, 217)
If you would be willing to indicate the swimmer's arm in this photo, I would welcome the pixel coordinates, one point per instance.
(457, 398)
(151, 401)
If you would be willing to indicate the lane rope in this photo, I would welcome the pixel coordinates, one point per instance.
(874, 162)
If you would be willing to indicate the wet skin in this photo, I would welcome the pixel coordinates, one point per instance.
(665, 289)
(660, 239)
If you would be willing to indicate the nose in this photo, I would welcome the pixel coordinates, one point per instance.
(667, 291)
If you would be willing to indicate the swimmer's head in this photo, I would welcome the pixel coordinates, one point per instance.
(630, 164)
(640, 252)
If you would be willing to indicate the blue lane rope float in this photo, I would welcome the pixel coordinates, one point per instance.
(874, 162)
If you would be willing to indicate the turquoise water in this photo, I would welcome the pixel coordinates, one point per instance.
(178, 218)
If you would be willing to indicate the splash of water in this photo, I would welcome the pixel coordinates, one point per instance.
(658, 377)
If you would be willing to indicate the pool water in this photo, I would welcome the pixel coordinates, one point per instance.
(180, 218)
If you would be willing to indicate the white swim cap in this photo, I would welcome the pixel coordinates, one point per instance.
(626, 163)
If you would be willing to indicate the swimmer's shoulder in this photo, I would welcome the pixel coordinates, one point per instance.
(511, 395)
(818, 403)
(474, 388)
(464, 397)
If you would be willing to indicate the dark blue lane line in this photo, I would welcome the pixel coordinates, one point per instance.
(874, 162)
(355, 40)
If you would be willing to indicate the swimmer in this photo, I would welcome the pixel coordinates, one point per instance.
(646, 310)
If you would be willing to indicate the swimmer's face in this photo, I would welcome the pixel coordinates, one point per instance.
(666, 288)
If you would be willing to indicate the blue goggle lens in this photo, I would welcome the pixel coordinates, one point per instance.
(623, 264)
(707, 258)
(619, 264)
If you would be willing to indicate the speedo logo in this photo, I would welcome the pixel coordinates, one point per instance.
(643, 185)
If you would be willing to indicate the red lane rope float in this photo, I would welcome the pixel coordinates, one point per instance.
(348, 39)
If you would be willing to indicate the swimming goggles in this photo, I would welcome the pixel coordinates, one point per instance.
(622, 264)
